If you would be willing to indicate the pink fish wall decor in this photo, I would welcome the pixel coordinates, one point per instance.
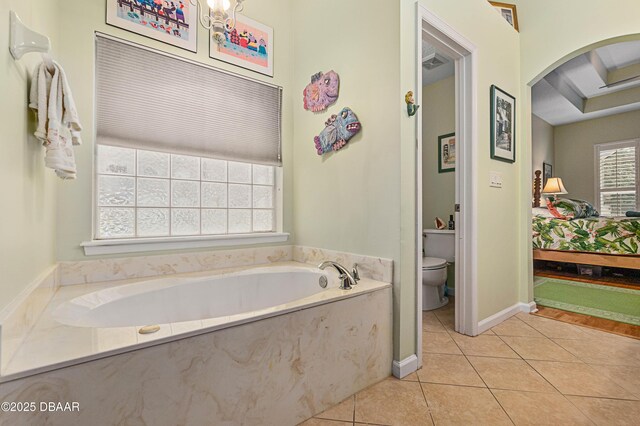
(322, 92)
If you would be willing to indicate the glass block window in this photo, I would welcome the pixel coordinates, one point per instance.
(156, 194)
(617, 177)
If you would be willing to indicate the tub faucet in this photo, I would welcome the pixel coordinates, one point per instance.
(346, 280)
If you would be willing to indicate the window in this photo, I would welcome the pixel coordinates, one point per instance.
(189, 157)
(617, 177)
(144, 193)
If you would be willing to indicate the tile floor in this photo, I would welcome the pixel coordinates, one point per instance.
(527, 370)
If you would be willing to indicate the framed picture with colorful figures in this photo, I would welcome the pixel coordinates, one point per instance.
(447, 153)
(503, 125)
(248, 45)
(173, 22)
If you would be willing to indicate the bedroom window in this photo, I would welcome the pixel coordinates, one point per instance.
(189, 156)
(617, 177)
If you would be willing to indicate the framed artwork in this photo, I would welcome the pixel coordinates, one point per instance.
(447, 153)
(547, 172)
(249, 45)
(508, 12)
(172, 22)
(503, 125)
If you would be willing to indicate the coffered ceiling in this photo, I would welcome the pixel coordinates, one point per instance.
(602, 82)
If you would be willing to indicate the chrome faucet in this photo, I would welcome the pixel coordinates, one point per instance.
(346, 280)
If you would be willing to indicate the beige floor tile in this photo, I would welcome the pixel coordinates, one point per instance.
(392, 402)
(324, 422)
(448, 369)
(624, 376)
(611, 352)
(343, 411)
(460, 405)
(439, 343)
(556, 329)
(539, 348)
(413, 377)
(608, 411)
(485, 345)
(535, 408)
(573, 378)
(488, 332)
(447, 318)
(515, 327)
(513, 374)
(431, 323)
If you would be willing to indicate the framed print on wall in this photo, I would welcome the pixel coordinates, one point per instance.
(547, 172)
(172, 22)
(249, 45)
(508, 12)
(447, 153)
(503, 125)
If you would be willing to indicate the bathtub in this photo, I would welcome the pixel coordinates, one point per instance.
(256, 345)
(173, 300)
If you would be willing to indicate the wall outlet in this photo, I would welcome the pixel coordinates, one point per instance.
(495, 179)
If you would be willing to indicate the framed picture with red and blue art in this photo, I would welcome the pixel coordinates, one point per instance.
(248, 45)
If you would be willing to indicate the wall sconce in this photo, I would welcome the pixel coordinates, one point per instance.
(218, 19)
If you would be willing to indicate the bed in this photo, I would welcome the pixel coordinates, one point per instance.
(601, 241)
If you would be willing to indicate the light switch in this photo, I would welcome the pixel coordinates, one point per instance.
(495, 179)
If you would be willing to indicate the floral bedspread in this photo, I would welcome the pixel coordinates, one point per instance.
(594, 234)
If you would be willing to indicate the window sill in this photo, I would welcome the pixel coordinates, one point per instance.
(136, 245)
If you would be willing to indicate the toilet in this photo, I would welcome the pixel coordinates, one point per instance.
(439, 252)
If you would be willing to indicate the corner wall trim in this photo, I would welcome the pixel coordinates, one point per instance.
(405, 367)
(505, 314)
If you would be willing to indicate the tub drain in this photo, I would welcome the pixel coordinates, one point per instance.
(149, 329)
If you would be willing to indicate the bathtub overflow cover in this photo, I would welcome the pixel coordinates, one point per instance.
(149, 329)
(323, 281)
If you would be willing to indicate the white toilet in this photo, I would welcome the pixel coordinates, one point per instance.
(439, 251)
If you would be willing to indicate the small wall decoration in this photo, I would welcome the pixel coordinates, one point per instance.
(447, 153)
(508, 12)
(173, 22)
(322, 92)
(249, 45)
(337, 132)
(412, 108)
(547, 173)
(503, 125)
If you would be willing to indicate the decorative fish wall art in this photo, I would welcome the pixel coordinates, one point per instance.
(322, 91)
(337, 132)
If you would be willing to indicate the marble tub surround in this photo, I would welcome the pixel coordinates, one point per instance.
(375, 268)
(52, 345)
(101, 270)
(280, 371)
(19, 317)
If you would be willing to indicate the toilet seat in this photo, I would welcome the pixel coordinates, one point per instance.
(431, 263)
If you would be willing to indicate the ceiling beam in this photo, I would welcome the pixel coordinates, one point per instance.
(623, 73)
(613, 100)
(562, 85)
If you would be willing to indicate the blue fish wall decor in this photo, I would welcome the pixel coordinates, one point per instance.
(337, 132)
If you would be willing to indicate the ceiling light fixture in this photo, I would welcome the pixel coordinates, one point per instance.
(218, 20)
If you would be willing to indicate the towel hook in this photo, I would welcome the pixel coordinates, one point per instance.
(24, 40)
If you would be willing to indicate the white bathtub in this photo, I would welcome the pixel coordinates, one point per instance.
(173, 300)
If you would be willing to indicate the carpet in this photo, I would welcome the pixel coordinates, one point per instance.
(614, 303)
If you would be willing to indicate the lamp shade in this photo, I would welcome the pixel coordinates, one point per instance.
(554, 186)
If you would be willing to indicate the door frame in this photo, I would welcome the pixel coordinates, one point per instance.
(449, 41)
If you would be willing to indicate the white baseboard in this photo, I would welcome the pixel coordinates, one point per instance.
(505, 314)
(405, 367)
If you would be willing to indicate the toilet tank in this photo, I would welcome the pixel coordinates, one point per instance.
(439, 243)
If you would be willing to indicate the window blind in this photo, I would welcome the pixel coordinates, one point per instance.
(618, 176)
(146, 99)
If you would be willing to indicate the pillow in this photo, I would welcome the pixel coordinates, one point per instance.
(568, 209)
(540, 211)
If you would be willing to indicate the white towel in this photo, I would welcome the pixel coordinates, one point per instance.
(58, 124)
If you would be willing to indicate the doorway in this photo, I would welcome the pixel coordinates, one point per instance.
(446, 42)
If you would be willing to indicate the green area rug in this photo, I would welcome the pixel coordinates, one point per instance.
(614, 303)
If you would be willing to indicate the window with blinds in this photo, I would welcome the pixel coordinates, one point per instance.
(617, 176)
(183, 149)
